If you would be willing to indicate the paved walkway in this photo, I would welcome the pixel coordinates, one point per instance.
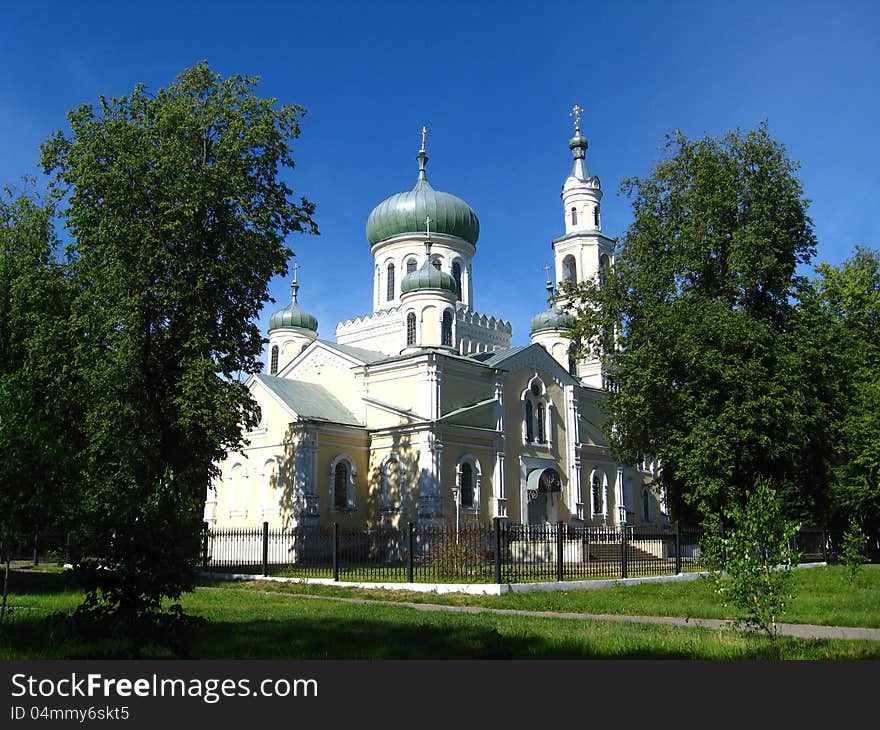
(803, 631)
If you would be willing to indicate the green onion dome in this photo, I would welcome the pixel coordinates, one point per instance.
(406, 212)
(552, 319)
(428, 277)
(293, 316)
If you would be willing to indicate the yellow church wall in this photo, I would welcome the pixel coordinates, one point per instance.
(250, 493)
(461, 444)
(384, 448)
(351, 444)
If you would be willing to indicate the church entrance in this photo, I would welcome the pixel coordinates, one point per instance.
(543, 491)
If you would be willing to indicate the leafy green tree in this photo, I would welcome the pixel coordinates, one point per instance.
(852, 549)
(694, 325)
(849, 298)
(178, 213)
(36, 438)
(751, 561)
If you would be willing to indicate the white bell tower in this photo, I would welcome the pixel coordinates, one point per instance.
(583, 251)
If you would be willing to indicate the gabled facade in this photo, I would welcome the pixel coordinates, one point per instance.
(421, 411)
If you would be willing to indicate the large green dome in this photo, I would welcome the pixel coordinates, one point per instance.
(293, 316)
(406, 212)
(552, 319)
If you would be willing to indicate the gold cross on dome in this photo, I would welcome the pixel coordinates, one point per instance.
(428, 226)
(547, 269)
(424, 134)
(576, 112)
(296, 267)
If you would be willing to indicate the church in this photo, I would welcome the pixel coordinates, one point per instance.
(421, 410)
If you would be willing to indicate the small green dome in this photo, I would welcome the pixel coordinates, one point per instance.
(552, 319)
(406, 213)
(427, 277)
(293, 316)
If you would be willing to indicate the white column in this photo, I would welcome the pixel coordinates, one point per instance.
(619, 497)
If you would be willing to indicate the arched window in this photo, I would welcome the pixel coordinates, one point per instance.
(574, 216)
(390, 291)
(542, 433)
(468, 481)
(569, 269)
(604, 265)
(436, 264)
(238, 496)
(342, 484)
(269, 484)
(273, 364)
(530, 430)
(393, 484)
(411, 328)
(410, 265)
(456, 274)
(467, 486)
(340, 487)
(597, 493)
(596, 216)
(646, 505)
(446, 332)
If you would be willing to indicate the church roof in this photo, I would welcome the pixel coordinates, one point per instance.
(367, 356)
(309, 400)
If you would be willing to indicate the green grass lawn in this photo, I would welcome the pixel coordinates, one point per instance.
(264, 623)
(824, 596)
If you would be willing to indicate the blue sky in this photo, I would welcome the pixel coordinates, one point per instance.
(493, 82)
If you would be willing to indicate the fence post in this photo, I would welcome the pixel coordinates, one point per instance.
(67, 549)
(410, 557)
(336, 551)
(265, 548)
(497, 529)
(824, 545)
(677, 547)
(623, 566)
(205, 528)
(37, 547)
(560, 550)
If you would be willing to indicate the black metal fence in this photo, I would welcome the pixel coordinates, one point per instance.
(501, 552)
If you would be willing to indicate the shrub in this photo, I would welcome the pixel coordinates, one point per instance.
(751, 562)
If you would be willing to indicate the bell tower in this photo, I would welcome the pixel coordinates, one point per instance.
(583, 250)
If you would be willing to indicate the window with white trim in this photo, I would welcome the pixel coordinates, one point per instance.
(237, 497)
(536, 413)
(411, 328)
(598, 493)
(456, 274)
(390, 283)
(411, 265)
(392, 484)
(446, 329)
(468, 476)
(342, 482)
(269, 486)
(569, 269)
(273, 365)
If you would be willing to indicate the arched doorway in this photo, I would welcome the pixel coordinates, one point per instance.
(543, 492)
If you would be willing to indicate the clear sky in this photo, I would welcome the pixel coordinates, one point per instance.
(493, 82)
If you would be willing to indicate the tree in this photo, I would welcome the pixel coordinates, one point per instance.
(178, 214)
(751, 561)
(694, 324)
(848, 297)
(35, 438)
